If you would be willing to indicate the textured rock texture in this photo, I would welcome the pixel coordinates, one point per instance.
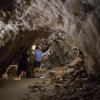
(21, 20)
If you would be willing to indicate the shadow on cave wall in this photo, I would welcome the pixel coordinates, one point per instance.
(7, 4)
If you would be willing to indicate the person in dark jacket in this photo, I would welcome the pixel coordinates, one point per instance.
(23, 64)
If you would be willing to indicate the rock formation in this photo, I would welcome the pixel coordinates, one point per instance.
(22, 22)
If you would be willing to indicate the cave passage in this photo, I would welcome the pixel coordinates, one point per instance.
(68, 34)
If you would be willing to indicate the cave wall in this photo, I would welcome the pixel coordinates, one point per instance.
(80, 19)
(86, 32)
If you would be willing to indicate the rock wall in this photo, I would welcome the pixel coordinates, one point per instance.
(79, 19)
(86, 31)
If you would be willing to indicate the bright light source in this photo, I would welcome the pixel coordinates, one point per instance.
(33, 47)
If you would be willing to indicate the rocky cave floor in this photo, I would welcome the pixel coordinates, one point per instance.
(69, 82)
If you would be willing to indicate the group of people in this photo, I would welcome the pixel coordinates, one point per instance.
(23, 64)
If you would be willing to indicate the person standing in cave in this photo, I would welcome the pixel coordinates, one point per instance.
(37, 62)
(23, 64)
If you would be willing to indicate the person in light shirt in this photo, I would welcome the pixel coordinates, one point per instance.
(38, 58)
